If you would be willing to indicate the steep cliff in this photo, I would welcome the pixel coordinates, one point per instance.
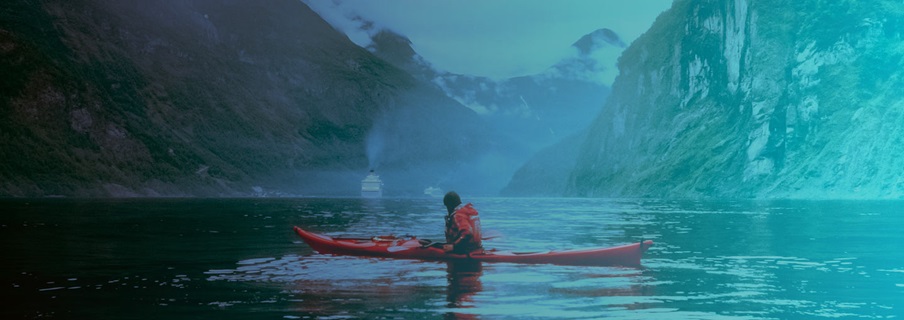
(211, 98)
(764, 99)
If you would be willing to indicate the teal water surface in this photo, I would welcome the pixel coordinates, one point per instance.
(238, 259)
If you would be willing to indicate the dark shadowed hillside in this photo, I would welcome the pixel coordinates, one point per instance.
(213, 98)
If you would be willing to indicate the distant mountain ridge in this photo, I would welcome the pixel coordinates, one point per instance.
(538, 110)
(596, 40)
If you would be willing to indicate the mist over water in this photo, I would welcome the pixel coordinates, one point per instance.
(374, 144)
(423, 146)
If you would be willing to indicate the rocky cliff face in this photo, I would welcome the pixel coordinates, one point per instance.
(764, 99)
(212, 98)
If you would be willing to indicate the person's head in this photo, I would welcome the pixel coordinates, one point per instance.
(451, 200)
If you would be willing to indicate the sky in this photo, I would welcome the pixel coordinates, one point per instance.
(492, 38)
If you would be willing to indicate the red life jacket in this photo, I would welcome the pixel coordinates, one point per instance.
(463, 229)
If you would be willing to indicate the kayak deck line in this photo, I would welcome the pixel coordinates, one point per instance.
(410, 247)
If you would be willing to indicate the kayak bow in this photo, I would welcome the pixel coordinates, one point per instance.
(410, 247)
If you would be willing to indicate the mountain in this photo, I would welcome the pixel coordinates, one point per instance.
(537, 110)
(759, 99)
(218, 98)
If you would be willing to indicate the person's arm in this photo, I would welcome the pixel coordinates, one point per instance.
(464, 227)
(464, 231)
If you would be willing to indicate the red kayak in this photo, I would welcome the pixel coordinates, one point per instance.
(410, 247)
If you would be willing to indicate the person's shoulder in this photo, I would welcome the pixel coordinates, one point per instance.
(468, 208)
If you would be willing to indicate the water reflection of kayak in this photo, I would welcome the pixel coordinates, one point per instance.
(409, 247)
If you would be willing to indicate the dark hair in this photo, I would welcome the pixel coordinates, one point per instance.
(451, 200)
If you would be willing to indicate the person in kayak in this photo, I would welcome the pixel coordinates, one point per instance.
(462, 226)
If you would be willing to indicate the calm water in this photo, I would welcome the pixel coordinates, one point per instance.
(235, 259)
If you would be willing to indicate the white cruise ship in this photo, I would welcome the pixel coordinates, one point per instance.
(372, 186)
